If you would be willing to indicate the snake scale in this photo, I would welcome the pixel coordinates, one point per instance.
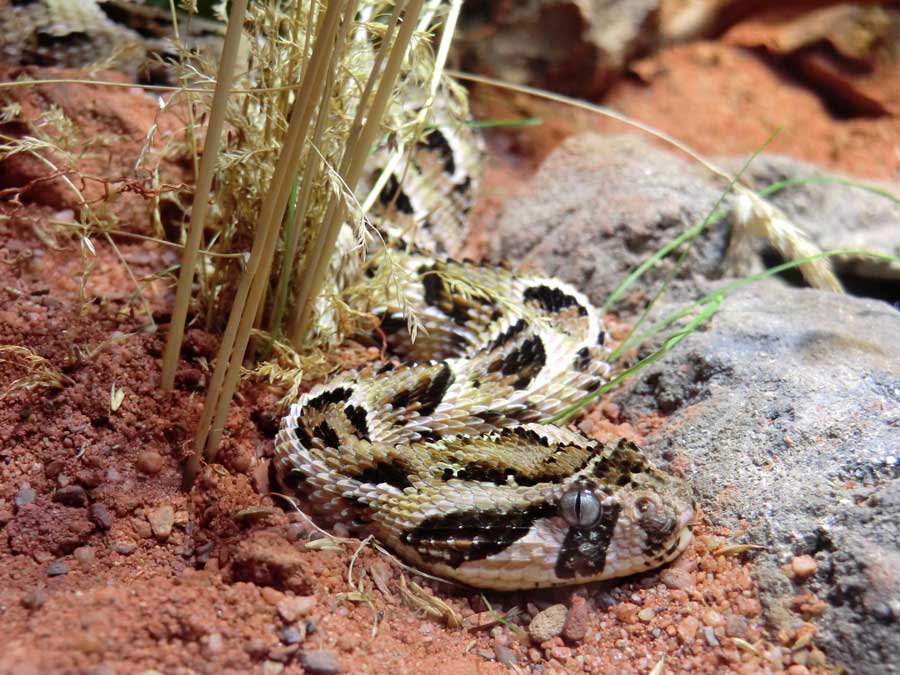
(445, 458)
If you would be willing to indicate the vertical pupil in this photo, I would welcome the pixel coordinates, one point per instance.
(578, 507)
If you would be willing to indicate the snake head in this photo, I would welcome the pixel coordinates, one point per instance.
(624, 516)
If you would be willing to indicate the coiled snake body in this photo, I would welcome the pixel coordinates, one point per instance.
(446, 459)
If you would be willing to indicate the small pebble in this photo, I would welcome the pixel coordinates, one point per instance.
(560, 653)
(24, 497)
(89, 478)
(124, 546)
(676, 578)
(712, 618)
(272, 668)
(292, 608)
(289, 635)
(505, 655)
(803, 567)
(626, 612)
(141, 528)
(149, 462)
(35, 598)
(85, 555)
(687, 628)
(548, 624)
(214, 643)
(320, 661)
(736, 626)
(57, 568)
(647, 614)
(256, 648)
(798, 670)
(161, 521)
(100, 516)
(272, 596)
(576, 624)
(283, 653)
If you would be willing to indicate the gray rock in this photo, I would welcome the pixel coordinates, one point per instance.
(616, 201)
(788, 410)
(25, 496)
(57, 568)
(505, 655)
(319, 661)
(100, 516)
(124, 546)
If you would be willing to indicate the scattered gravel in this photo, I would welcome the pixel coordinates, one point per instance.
(576, 626)
(141, 528)
(24, 497)
(296, 607)
(677, 578)
(647, 614)
(271, 595)
(100, 516)
(85, 555)
(505, 655)
(124, 546)
(35, 598)
(71, 495)
(736, 626)
(57, 568)
(283, 653)
(290, 635)
(548, 624)
(150, 462)
(272, 668)
(320, 661)
(709, 634)
(687, 629)
(161, 521)
(803, 567)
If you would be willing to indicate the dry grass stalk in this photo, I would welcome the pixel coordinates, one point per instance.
(255, 278)
(200, 205)
(39, 371)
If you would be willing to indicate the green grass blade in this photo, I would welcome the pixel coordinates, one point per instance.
(705, 308)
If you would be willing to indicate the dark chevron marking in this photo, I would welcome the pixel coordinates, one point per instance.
(328, 435)
(384, 472)
(526, 362)
(475, 534)
(428, 392)
(357, 416)
(552, 299)
(330, 397)
(437, 142)
(392, 190)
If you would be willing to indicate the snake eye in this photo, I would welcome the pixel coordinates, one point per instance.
(580, 507)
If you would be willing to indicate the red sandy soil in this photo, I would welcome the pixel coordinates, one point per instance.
(106, 566)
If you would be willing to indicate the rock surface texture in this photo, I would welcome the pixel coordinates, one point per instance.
(783, 410)
(614, 201)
